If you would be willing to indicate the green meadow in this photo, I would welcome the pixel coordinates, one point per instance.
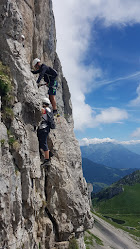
(122, 210)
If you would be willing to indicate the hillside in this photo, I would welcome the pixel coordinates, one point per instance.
(120, 203)
(126, 202)
(100, 175)
(105, 234)
(111, 155)
(133, 147)
(118, 187)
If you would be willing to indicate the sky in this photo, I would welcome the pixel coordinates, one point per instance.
(98, 42)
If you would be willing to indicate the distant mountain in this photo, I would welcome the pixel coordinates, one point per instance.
(102, 176)
(112, 155)
(133, 147)
(118, 187)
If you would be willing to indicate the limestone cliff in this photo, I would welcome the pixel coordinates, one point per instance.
(38, 209)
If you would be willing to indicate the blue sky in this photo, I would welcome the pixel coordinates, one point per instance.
(118, 54)
(99, 48)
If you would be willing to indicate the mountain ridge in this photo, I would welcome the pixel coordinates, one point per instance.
(117, 187)
(100, 175)
(112, 155)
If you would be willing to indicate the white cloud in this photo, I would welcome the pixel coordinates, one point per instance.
(127, 77)
(136, 133)
(86, 141)
(111, 115)
(74, 20)
(106, 116)
(82, 119)
(136, 102)
(131, 142)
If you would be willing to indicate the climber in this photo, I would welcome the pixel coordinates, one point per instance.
(49, 76)
(46, 123)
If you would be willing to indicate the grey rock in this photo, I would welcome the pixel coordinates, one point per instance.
(38, 208)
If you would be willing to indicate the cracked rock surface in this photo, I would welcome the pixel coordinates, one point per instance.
(38, 208)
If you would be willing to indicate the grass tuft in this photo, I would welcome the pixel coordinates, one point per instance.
(73, 244)
(6, 93)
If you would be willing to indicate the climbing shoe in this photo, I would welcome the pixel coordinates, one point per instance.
(41, 84)
(46, 162)
(38, 85)
(50, 154)
(55, 113)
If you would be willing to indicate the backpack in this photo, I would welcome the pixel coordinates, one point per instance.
(50, 120)
(53, 72)
(51, 76)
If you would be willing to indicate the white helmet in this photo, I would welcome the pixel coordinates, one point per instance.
(46, 101)
(23, 37)
(35, 61)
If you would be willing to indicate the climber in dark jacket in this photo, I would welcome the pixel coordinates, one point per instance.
(49, 76)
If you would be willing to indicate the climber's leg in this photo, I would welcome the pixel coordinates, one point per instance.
(53, 102)
(42, 137)
(52, 93)
(46, 154)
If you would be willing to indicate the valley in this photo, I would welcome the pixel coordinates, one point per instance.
(105, 235)
(115, 197)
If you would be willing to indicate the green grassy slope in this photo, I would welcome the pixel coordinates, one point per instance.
(122, 209)
(127, 202)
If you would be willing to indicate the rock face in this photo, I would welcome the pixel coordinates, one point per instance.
(38, 209)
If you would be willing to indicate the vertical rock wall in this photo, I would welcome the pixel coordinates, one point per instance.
(38, 209)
